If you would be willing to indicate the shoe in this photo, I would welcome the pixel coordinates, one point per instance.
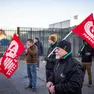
(34, 90)
(29, 87)
(89, 85)
(25, 76)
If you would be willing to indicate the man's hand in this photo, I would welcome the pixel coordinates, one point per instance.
(27, 46)
(52, 89)
(88, 53)
(49, 84)
(26, 50)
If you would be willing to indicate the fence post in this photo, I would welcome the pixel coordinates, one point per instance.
(18, 31)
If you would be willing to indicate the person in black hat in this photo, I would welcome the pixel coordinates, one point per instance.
(39, 45)
(68, 74)
(86, 54)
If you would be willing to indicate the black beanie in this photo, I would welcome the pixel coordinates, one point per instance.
(65, 45)
(37, 38)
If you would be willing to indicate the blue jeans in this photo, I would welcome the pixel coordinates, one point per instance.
(32, 74)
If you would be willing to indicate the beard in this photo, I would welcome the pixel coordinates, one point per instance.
(57, 56)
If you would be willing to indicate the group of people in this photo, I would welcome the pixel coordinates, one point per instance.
(64, 74)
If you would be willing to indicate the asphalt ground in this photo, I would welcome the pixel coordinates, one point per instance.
(17, 83)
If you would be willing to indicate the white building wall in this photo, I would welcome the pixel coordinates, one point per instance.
(63, 24)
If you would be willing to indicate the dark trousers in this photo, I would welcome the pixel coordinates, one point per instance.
(38, 62)
(48, 74)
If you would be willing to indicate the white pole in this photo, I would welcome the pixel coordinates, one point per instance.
(66, 35)
(62, 40)
(81, 49)
(52, 51)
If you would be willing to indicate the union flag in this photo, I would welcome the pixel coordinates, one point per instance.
(8, 62)
(86, 30)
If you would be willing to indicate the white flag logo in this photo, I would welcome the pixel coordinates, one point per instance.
(89, 28)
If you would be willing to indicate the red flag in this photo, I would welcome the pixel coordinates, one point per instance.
(8, 63)
(86, 30)
(9, 66)
(15, 48)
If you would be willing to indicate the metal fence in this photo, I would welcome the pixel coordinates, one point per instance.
(5, 37)
(43, 34)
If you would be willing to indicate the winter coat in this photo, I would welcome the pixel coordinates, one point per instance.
(32, 54)
(40, 48)
(50, 60)
(68, 76)
(85, 57)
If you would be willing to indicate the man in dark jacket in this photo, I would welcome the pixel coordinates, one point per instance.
(50, 60)
(39, 45)
(86, 55)
(31, 60)
(68, 75)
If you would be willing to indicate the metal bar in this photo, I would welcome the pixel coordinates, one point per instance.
(66, 35)
(62, 40)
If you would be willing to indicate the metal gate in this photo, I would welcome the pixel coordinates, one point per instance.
(43, 34)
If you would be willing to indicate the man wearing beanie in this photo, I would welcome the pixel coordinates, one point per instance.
(68, 74)
(50, 60)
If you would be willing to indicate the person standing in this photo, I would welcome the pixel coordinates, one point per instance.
(86, 53)
(31, 60)
(50, 60)
(68, 75)
(39, 45)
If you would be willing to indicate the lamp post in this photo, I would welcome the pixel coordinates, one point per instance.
(75, 19)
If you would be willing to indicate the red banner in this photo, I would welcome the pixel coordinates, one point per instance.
(86, 30)
(9, 66)
(8, 63)
(15, 48)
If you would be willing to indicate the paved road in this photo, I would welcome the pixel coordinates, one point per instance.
(6, 86)
(17, 83)
(20, 82)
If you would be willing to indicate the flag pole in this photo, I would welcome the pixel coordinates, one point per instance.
(81, 50)
(62, 40)
(66, 35)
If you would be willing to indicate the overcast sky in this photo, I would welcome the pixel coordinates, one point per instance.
(41, 13)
